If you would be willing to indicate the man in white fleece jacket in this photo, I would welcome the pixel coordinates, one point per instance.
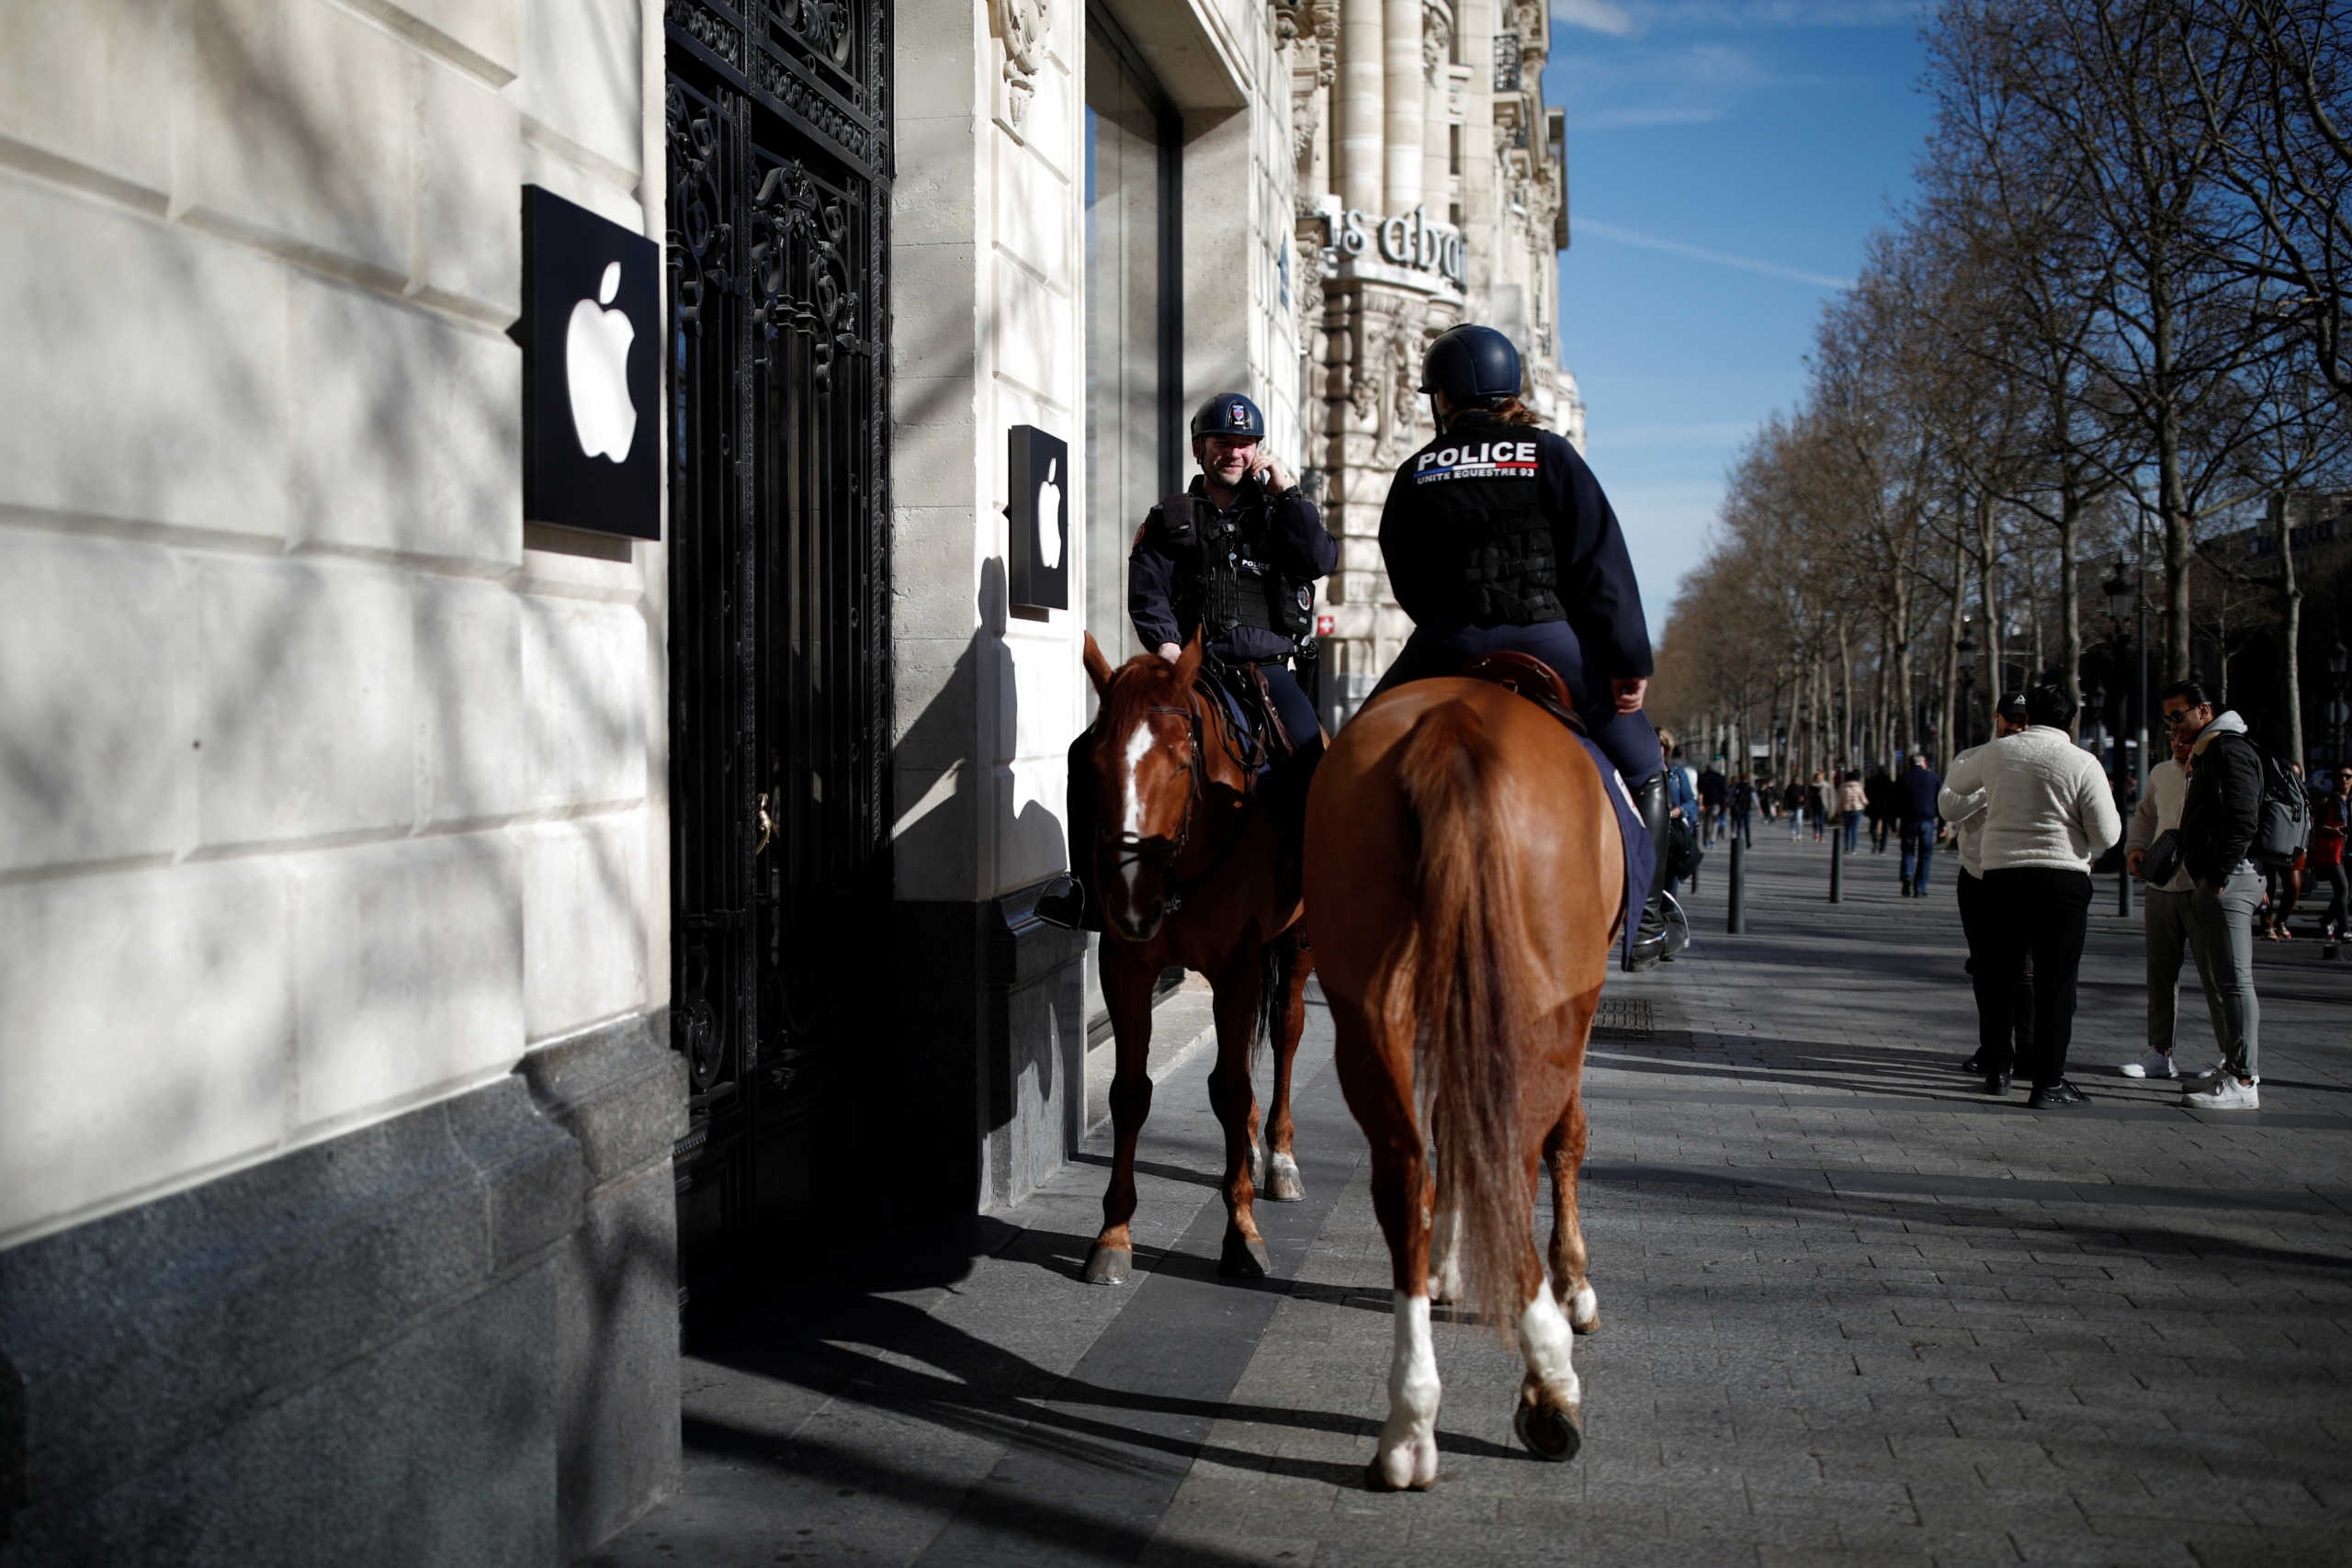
(2048, 814)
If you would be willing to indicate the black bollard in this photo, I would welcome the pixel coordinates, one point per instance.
(1734, 921)
(1838, 866)
(2124, 889)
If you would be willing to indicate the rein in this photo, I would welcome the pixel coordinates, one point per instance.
(1133, 848)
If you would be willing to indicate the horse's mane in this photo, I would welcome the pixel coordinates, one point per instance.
(1146, 681)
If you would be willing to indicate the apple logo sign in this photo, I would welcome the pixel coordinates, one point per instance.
(596, 368)
(1049, 518)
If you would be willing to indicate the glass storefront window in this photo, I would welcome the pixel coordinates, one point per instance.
(1133, 420)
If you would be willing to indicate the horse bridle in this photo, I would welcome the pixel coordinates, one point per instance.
(1129, 849)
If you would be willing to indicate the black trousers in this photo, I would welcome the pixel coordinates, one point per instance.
(1994, 1051)
(2042, 913)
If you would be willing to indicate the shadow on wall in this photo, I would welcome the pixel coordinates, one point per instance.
(368, 680)
(973, 1037)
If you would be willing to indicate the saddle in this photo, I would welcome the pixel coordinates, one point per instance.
(1531, 679)
(1250, 706)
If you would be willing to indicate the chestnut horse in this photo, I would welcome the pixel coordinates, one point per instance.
(1466, 874)
(1185, 867)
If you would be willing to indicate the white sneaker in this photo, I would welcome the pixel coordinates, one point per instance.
(2155, 1064)
(2225, 1093)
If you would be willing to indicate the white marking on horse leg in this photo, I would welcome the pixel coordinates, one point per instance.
(1584, 1307)
(1445, 1256)
(1544, 1338)
(1138, 745)
(1407, 1452)
(1279, 1166)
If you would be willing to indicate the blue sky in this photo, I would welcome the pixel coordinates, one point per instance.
(1726, 159)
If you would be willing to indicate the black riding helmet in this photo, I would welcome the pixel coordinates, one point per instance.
(1230, 414)
(1471, 364)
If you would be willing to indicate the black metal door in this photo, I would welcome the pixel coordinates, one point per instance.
(779, 575)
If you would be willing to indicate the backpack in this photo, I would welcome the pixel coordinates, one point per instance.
(2285, 821)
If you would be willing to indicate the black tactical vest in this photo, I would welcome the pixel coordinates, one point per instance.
(1478, 516)
(1220, 581)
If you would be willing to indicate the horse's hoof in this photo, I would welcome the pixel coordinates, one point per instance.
(1550, 1431)
(1376, 1479)
(1589, 1326)
(1283, 1185)
(1109, 1265)
(1245, 1258)
(1584, 1309)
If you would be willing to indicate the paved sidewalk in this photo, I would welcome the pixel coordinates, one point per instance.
(1853, 1310)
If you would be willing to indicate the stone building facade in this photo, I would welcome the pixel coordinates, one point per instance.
(1432, 184)
(434, 937)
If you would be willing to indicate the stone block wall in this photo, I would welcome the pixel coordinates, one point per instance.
(332, 798)
(325, 792)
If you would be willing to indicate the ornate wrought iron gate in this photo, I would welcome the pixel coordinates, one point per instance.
(778, 119)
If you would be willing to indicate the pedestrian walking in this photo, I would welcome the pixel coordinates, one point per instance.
(1792, 804)
(2219, 813)
(1995, 1057)
(2166, 922)
(1682, 812)
(1713, 789)
(1743, 810)
(2331, 814)
(1851, 804)
(1821, 803)
(2048, 814)
(1914, 807)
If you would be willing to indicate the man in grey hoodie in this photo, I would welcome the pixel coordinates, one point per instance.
(2165, 916)
(2218, 816)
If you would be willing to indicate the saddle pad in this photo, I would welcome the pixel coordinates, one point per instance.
(1641, 856)
(1238, 717)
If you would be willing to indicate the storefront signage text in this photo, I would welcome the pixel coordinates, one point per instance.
(1404, 242)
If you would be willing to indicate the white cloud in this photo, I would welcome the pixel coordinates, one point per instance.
(1688, 85)
(1666, 526)
(1594, 16)
(1601, 231)
(1606, 437)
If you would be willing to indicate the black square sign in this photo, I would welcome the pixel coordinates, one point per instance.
(1037, 574)
(592, 370)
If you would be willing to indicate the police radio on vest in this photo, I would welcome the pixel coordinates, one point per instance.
(1486, 460)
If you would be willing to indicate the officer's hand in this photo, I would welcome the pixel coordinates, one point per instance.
(1630, 689)
(2136, 859)
(1270, 474)
(1170, 653)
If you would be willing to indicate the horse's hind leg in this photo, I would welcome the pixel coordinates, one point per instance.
(1234, 1099)
(1126, 991)
(1550, 1398)
(1283, 1184)
(1372, 1079)
(1571, 1282)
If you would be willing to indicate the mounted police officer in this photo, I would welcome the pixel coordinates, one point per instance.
(1497, 537)
(1236, 558)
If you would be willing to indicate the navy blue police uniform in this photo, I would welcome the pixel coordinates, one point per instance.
(1278, 547)
(1497, 538)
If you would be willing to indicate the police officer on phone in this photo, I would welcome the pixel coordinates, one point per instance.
(1497, 538)
(1235, 558)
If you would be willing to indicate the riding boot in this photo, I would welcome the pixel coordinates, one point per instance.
(1068, 900)
(1286, 790)
(1650, 938)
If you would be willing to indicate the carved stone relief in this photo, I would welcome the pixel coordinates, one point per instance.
(1020, 26)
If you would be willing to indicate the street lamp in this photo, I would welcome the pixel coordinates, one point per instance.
(1966, 649)
(2121, 592)
(2337, 663)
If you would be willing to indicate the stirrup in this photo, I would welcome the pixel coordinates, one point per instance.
(1062, 902)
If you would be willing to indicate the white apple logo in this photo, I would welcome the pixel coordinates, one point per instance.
(595, 364)
(1049, 518)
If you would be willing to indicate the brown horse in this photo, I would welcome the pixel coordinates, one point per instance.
(1185, 866)
(1466, 874)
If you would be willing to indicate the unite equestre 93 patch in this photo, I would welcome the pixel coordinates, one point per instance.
(1479, 460)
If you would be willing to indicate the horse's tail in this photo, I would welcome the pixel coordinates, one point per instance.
(1470, 1004)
